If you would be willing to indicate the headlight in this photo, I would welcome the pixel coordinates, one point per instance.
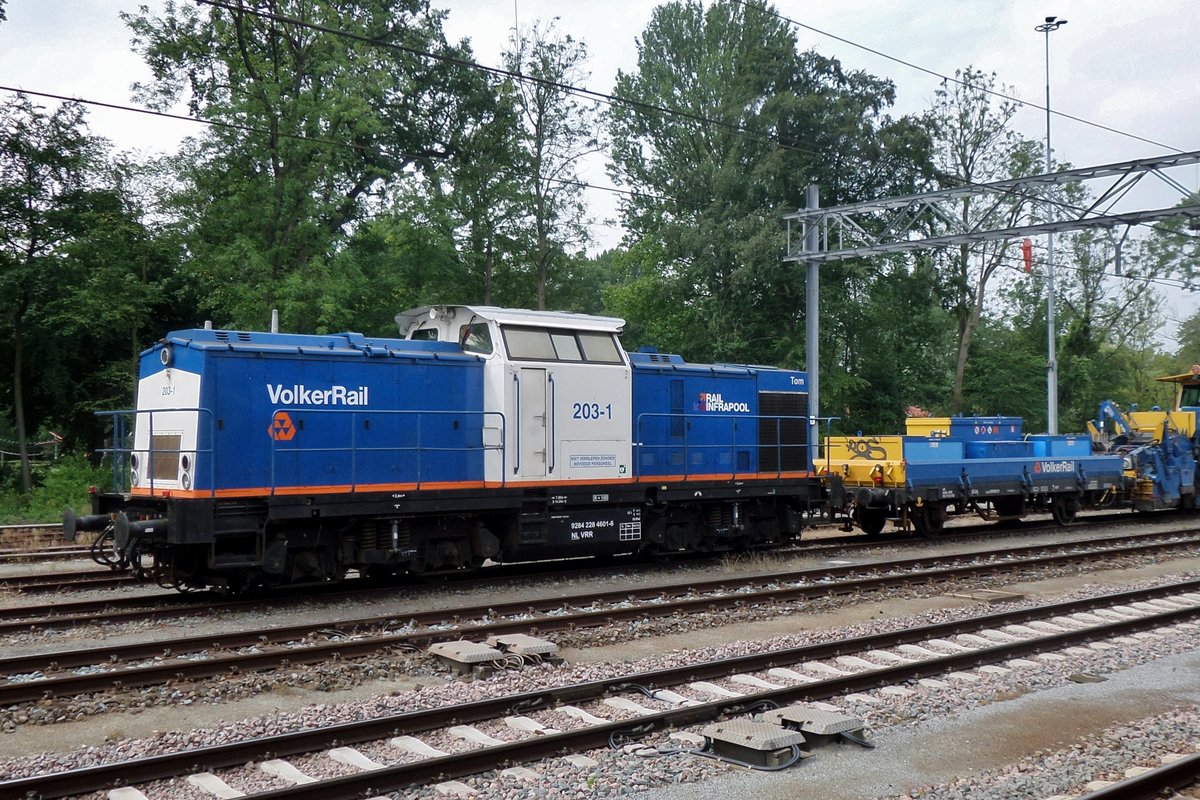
(1127, 463)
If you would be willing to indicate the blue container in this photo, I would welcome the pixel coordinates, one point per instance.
(1061, 446)
(999, 449)
(920, 448)
(986, 428)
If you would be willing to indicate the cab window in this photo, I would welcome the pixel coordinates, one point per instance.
(476, 338)
(532, 344)
(600, 347)
(540, 344)
(565, 347)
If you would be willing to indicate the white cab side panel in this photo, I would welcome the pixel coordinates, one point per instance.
(166, 404)
(591, 421)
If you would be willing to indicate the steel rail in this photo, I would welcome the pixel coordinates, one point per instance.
(33, 527)
(95, 778)
(59, 581)
(1152, 785)
(69, 614)
(823, 576)
(53, 554)
(24, 619)
(71, 684)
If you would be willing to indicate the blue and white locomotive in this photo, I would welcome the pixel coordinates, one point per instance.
(484, 433)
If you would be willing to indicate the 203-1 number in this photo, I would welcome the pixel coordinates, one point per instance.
(591, 411)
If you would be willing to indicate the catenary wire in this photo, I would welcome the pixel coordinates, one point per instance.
(609, 98)
(944, 77)
(959, 81)
(296, 136)
(250, 129)
(612, 99)
(603, 97)
(462, 62)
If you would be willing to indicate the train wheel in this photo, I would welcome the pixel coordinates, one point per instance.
(1064, 508)
(929, 519)
(870, 520)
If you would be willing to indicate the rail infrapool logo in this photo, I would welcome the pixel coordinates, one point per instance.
(301, 395)
(713, 401)
(1053, 466)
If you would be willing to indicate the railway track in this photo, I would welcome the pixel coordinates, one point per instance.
(928, 652)
(143, 608)
(55, 553)
(59, 582)
(44, 675)
(55, 582)
(1162, 781)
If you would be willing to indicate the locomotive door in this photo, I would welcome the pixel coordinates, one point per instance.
(531, 412)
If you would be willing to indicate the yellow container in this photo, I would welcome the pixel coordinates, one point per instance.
(927, 426)
(866, 460)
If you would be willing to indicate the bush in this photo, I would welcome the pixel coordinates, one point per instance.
(57, 484)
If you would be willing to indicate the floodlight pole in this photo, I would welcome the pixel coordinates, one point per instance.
(1051, 24)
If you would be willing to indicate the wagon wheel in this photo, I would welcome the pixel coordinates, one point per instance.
(870, 520)
(1064, 508)
(928, 519)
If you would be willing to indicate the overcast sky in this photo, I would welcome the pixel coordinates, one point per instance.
(1129, 66)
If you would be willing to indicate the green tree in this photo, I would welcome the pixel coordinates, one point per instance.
(1102, 315)
(84, 279)
(754, 121)
(311, 126)
(975, 143)
(1189, 342)
(1006, 362)
(479, 196)
(1172, 249)
(46, 161)
(557, 131)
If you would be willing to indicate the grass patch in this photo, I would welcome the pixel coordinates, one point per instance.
(57, 484)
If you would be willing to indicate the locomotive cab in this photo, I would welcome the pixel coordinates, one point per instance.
(556, 389)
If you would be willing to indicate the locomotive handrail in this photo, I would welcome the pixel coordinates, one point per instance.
(517, 415)
(553, 447)
(733, 447)
(419, 448)
(120, 481)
